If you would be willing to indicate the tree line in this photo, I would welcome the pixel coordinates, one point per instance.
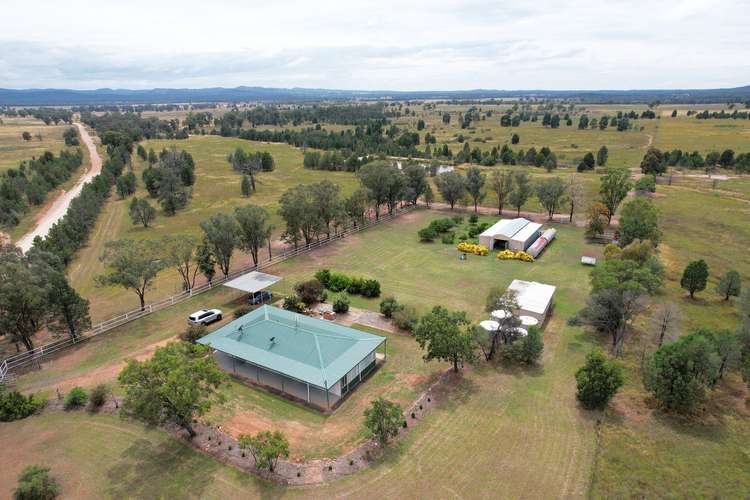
(48, 115)
(656, 162)
(29, 184)
(127, 129)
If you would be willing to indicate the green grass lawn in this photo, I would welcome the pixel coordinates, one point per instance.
(13, 149)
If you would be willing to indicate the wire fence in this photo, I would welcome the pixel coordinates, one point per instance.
(35, 355)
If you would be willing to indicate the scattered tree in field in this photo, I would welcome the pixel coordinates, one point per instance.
(521, 191)
(133, 265)
(180, 253)
(665, 323)
(245, 187)
(501, 182)
(35, 483)
(141, 212)
(125, 185)
(576, 193)
(381, 179)
(639, 221)
(598, 380)
(694, 277)
(26, 136)
(730, 285)
(141, 152)
(615, 185)
(515, 139)
(551, 193)
(587, 163)
(173, 195)
(452, 186)
(220, 235)
(266, 447)
(254, 229)
(527, 349)
(446, 118)
(383, 419)
(602, 156)
(727, 346)
(429, 195)
(442, 335)
(654, 162)
(679, 372)
(475, 180)
(177, 384)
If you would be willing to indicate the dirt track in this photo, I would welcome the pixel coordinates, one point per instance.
(59, 207)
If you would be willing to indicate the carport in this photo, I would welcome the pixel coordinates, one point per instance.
(252, 282)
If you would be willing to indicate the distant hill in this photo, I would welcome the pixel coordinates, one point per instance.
(68, 97)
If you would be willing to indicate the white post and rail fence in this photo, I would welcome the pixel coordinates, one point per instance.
(34, 356)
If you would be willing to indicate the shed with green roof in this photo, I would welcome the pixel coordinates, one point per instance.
(310, 359)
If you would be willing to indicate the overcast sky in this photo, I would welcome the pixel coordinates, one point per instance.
(375, 45)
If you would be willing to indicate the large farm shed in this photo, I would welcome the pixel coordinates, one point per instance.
(307, 358)
(534, 299)
(514, 234)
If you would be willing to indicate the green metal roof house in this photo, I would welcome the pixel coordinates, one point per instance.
(310, 359)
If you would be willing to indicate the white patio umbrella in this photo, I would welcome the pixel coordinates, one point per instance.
(490, 325)
(499, 314)
(522, 332)
(528, 320)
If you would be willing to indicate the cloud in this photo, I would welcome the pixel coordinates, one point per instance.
(382, 44)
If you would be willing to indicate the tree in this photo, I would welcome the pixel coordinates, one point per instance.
(26, 136)
(266, 447)
(355, 206)
(550, 162)
(597, 220)
(528, 349)
(521, 192)
(653, 162)
(679, 372)
(172, 193)
(730, 285)
(310, 291)
(378, 177)
(125, 185)
(429, 195)
(474, 183)
(35, 483)
(141, 211)
(515, 139)
(383, 419)
(70, 311)
(23, 295)
(180, 253)
(598, 380)
(587, 163)
(694, 277)
(612, 310)
(665, 322)
(576, 193)
(221, 236)
(245, 186)
(254, 229)
(602, 155)
(205, 261)
(327, 203)
(550, 193)
(247, 164)
(141, 152)
(501, 182)
(177, 384)
(726, 344)
(300, 212)
(441, 335)
(639, 221)
(614, 187)
(416, 182)
(446, 118)
(451, 186)
(133, 265)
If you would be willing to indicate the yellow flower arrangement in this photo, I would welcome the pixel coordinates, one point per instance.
(511, 255)
(472, 248)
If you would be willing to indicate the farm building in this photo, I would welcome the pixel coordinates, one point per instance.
(514, 234)
(534, 299)
(310, 359)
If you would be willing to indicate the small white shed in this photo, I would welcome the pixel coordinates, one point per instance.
(534, 299)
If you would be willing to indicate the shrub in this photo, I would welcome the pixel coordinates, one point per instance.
(341, 303)
(388, 306)
(242, 310)
(194, 332)
(448, 238)
(15, 406)
(646, 183)
(405, 317)
(427, 234)
(35, 483)
(472, 248)
(293, 303)
(310, 291)
(463, 237)
(598, 380)
(323, 275)
(99, 396)
(356, 286)
(371, 288)
(442, 225)
(458, 219)
(473, 218)
(338, 282)
(76, 398)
